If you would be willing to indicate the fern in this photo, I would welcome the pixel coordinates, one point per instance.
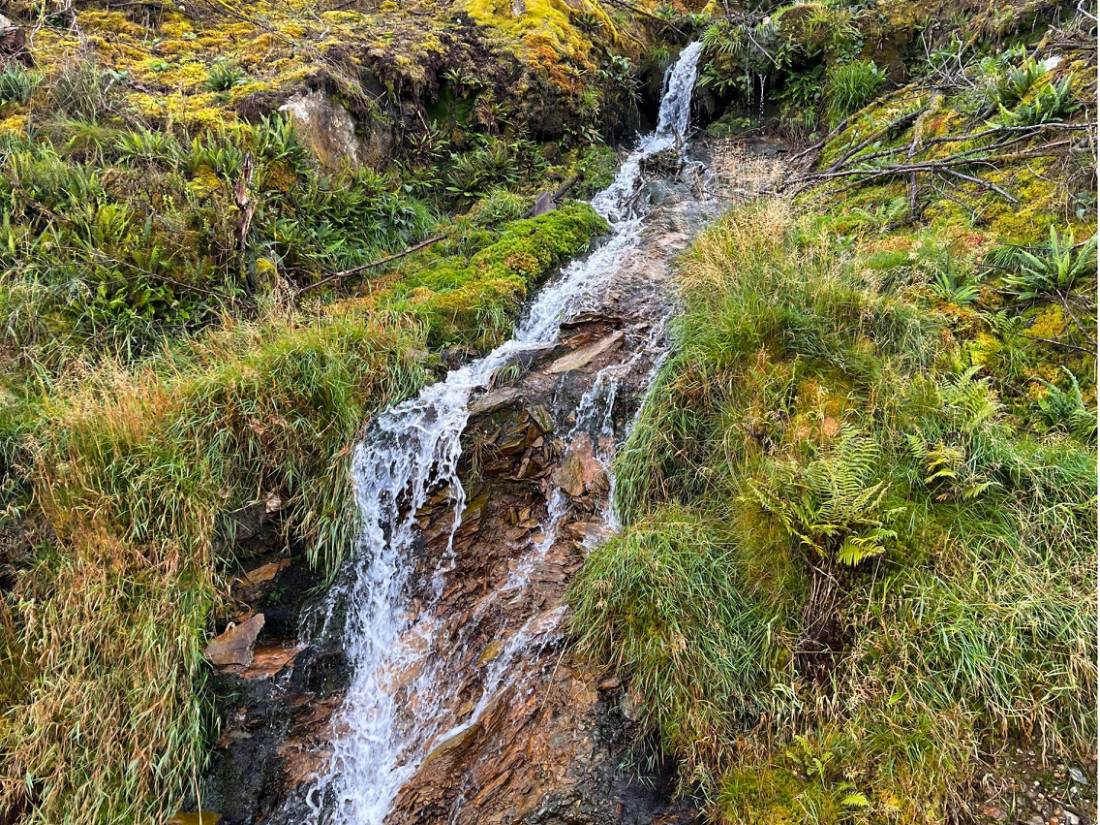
(1066, 410)
(834, 504)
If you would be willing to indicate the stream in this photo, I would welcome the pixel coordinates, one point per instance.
(421, 680)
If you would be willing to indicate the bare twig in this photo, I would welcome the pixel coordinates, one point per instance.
(836, 130)
(1065, 344)
(622, 4)
(244, 201)
(980, 182)
(355, 270)
(902, 122)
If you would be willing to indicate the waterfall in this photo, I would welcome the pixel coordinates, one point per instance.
(412, 451)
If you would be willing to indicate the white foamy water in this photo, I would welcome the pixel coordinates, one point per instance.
(412, 451)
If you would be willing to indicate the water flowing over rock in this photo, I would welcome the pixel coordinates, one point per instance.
(479, 499)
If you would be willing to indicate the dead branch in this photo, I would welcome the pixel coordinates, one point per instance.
(836, 130)
(622, 4)
(941, 167)
(902, 122)
(355, 270)
(981, 182)
(1065, 344)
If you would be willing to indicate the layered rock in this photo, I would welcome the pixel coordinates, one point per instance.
(524, 733)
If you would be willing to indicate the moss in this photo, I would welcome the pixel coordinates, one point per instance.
(473, 301)
(1048, 322)
(545, 27)
(13, 125)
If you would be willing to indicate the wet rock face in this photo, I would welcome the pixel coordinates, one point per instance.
(522, 733)
(543, 744)
(275, 695)
(537, 738)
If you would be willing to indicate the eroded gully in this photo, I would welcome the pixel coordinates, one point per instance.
(479, 499)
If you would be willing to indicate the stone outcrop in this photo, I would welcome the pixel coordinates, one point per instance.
(233, 648)
(329, 131)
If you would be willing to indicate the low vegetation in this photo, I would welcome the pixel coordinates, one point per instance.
(859, 557)
(195, 325)
(851, 569)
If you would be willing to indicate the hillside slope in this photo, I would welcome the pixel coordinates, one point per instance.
(858, 577)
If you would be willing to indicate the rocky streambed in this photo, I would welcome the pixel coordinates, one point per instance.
(435, 683)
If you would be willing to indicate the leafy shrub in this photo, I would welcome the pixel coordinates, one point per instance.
(1054, 268)
(148, 145)
(850, 86)
(732, 64)
(1013, 84)
(948, 277)
(829, 31)
(499, 206)
(1053, 101)
(833, 503)
(1065, 410)
(224, 75)
(113, 255)
(800, 100)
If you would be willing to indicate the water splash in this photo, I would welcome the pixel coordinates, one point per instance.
(412, 451)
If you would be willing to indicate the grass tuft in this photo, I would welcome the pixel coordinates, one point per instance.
(849, 574)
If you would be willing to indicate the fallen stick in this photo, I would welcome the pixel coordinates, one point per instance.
(902, 122)
(545, 202)
(903, 169)
(1065, 344)
(622, 4)
(836, 130)
(355, 270)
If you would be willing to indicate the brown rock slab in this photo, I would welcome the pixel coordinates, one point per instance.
(195, 818)
(578, 359)
(580, 471)
(270, 660)
(495, 400)
(234, 646)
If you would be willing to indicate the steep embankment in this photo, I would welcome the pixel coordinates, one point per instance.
(200, 313)
(857, 582)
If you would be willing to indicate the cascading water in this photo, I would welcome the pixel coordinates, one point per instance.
(412, 451)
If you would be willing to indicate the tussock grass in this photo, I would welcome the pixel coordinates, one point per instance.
(849, 573)
(138, 479)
